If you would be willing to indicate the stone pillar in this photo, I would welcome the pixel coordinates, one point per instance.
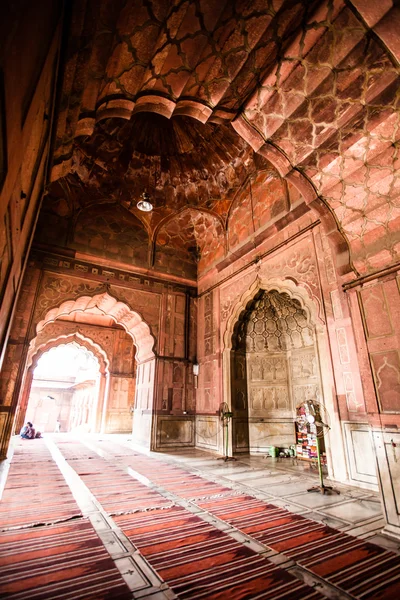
(23, 404)
(144, 397)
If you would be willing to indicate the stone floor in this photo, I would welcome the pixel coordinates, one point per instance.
(283, 482)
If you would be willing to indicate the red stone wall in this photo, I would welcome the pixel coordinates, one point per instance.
(166, 312)
(379, 302)
(303, 265)
(30, 35)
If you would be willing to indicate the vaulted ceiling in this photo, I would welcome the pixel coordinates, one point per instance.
(230, 114)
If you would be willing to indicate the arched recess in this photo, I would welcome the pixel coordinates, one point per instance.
(111, 230)
(322, 378)
(120, 312)
(38, 348)
(188, 242)
(144, 342)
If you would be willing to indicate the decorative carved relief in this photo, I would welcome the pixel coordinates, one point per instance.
(268, 368)
(351, 399)
(145, 303)
(297, 263)
(305, 392)
(270, 399)
(240, 367)
(55, 290)
(328, 261)
(257, 398)
(104, 337)
(336, 305)
(208, 325)
(240, 400)
(274, 315)
(343, 346)
(276, 322)
(233, 291)
(304, 365)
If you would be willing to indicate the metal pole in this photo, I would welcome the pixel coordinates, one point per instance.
(321, 477)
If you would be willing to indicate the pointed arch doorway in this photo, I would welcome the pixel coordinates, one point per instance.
(274, 367)
(123, 345)
(66, 392)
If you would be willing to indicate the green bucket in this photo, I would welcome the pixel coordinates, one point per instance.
(273, 451)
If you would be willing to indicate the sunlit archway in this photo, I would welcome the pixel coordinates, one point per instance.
(64, 394)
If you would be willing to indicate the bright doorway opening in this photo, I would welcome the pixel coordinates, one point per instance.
(65, 390)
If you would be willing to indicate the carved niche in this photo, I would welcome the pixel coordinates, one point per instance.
(273, 331)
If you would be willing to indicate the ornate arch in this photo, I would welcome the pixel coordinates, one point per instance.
(199, 233)
(288, 286)
(176, 214)
(36, 350)
(120, 312)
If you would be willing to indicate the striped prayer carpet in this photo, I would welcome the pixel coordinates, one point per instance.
(172, 478)
(112, 486)
(193, 557)
(49, 498)
(66, 561)
(362, 569)
(357, 567)
(200, 562)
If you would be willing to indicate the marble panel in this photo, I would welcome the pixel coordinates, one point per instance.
(360, 454)
(353, 512)
(173, 431)
(207, 431)
(141, 431)
(264, 434)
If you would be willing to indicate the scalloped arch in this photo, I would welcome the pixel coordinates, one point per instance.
(120, 312)
(194, 209)
(193, 227)
(36, 351)
(287, 286)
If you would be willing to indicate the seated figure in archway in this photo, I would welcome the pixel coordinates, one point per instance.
(28, 431)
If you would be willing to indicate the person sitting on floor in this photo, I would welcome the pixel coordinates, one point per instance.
(28, 432)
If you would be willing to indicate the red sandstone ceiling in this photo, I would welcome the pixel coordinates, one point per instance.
(229, 114)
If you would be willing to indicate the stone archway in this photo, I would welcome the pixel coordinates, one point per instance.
(140, 396)
(120, 312)
(285, 391)
(274, 368)
(42, 344)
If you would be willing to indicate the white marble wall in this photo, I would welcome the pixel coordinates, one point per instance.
(360, 455)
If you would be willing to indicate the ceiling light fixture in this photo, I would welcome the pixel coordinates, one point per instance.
(144, 204)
